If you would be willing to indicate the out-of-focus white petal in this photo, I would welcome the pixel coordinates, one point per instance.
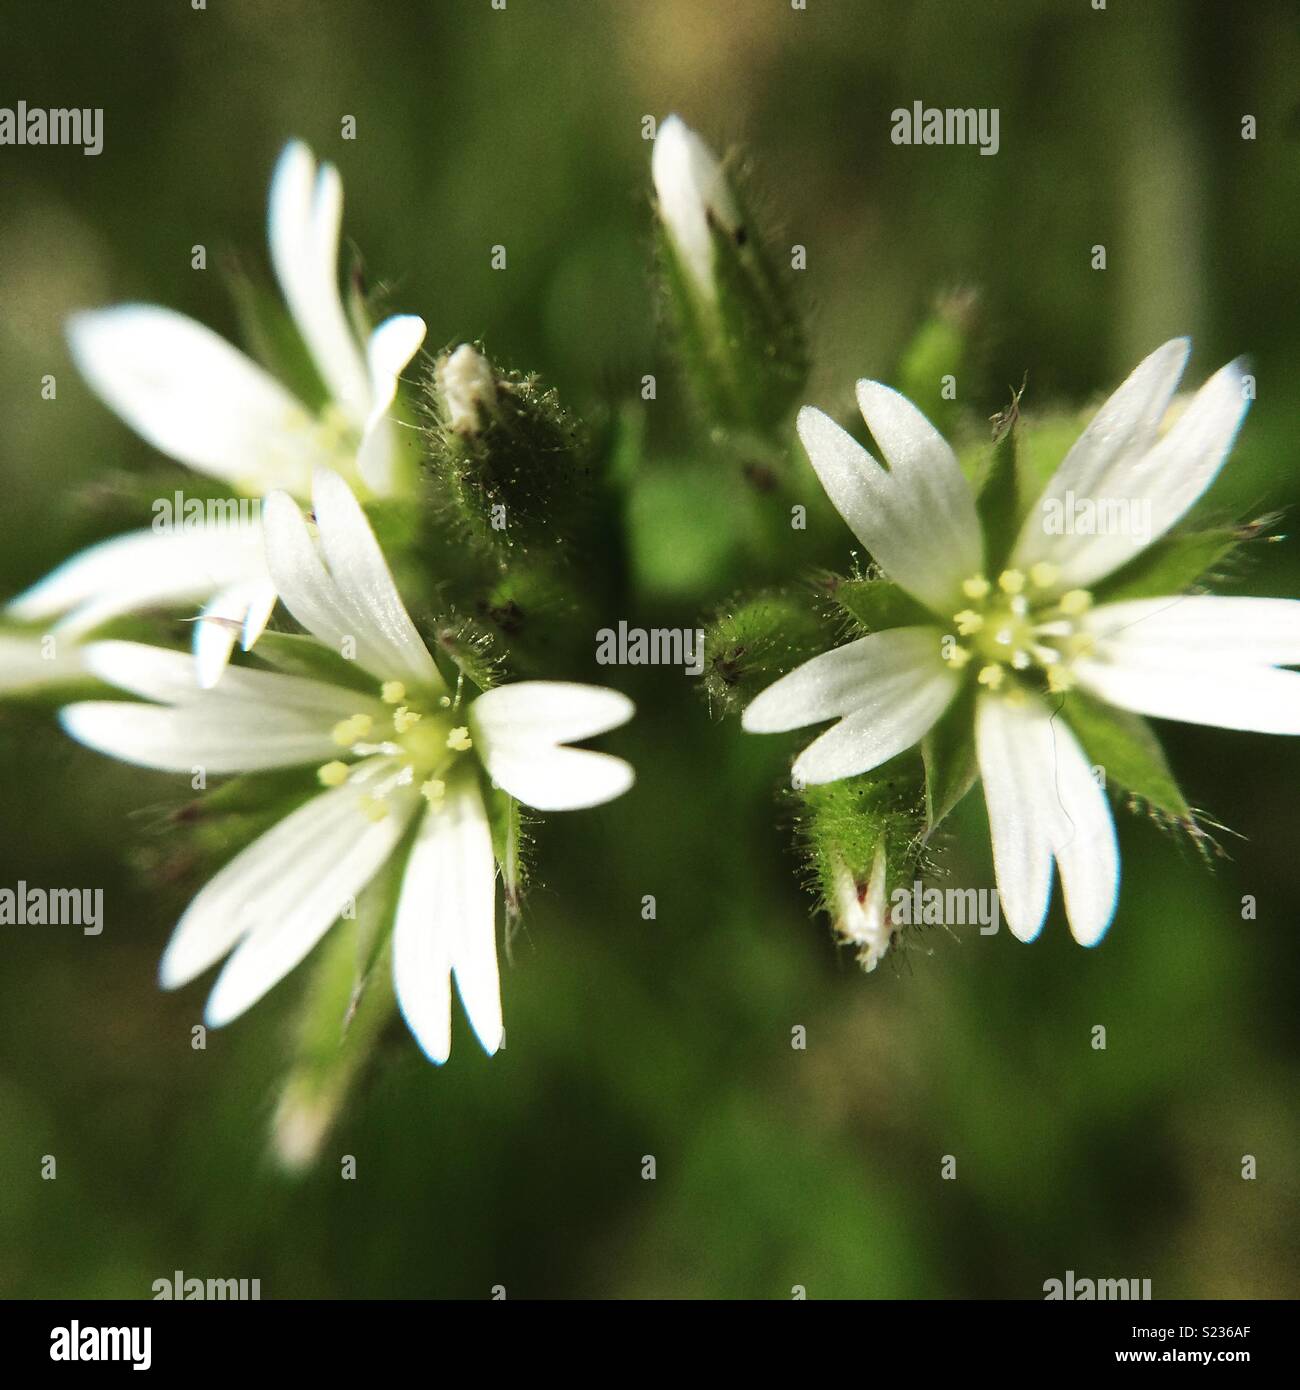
(180, 739)
(30, 661)
(446, 923)
(1043, 803)
(306, 210)
(918, 517)
(142, 570)
(391, 347)
(693, 197)
(1195, 631)
(286, 919)
(839, 681)
(194, 397)
(1259, 699)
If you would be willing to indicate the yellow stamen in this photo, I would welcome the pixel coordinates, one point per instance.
(968, 621)
(958, 657)
(459, 740)
(975, 587)
(392, 692)
(348, 731)
(1059, 679)
(1043, 575)
(404, 719)
(992, 676)
(1075, 602)
(1011, 581)
(373, 809)
(333, 774)
(434, 791)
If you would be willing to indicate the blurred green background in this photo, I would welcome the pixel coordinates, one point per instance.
(775, 1167)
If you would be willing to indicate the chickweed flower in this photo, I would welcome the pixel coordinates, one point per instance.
(1029, 635)
(401, 763)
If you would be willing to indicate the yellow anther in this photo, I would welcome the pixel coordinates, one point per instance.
(1015, 696)
(968, 621)
(333, 774)
(975, 587)
(1043, 575)
(958, 657)
(1075, 602)
(404, 719)
(392, 692)
(434, 791)
(373, 809)
(1011, 581)
(459, 740)
(1059, 679)
(444, 701)
(992, 676)
(348, 731)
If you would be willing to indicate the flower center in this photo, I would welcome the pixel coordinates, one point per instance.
(1021, 629)
(419, 748)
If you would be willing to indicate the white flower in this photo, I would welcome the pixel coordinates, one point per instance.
(1032, 631)
(398, 755)
(694, 197)
(201, 401)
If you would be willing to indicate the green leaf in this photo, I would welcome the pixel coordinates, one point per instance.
(1170, 566)
(1127, 748)
(951, 767)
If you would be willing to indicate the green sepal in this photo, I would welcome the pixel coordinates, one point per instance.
(948, 751)
(1170, 566)
(743, 353)
(509, 844)
(1126, 747)
(272, 337)
(843, 823)
(472, 650)
(1001, 501)
(297, 654)
(875, 604)
(938, 349)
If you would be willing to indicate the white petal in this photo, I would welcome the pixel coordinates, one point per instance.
(556, 779)
(223, 618)
(693, 196)
(1261, 699)
(1150, 488)
(918, 517)
(143, 570)
(25, 665)
(1042, 802)
(355, 598)
(891, 687)
(220, 739)
(1015, 752)
(239, 896)
(306, 211)
(193, 396)
(155, 673)
(1195, 631)
(542, 712)
(446, 922)
(391, 347)
(838, 682)
(289, 916)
